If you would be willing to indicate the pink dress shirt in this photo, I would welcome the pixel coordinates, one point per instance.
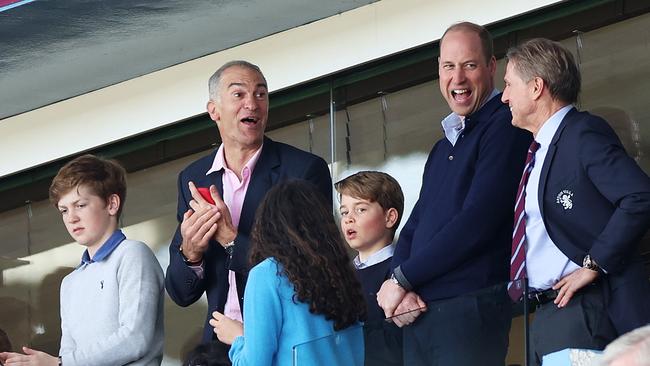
(234, 192)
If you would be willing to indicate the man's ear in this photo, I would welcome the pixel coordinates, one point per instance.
(113, 204)
(391, 217)
(212, 110)
(492, 66)
(537, 86)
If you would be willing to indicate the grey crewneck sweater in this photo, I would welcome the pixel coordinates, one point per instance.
(112, 310)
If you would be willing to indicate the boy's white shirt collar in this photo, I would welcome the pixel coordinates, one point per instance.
(377, 257)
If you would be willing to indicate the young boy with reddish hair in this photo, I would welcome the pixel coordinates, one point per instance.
(371, 209)
(112, 303)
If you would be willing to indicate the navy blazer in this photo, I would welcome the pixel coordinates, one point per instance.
(277, 162)
(595, 200)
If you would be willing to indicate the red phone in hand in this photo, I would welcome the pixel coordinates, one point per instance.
(205, 193)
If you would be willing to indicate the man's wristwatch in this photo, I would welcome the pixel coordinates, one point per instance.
(229, 247)
(591, 264)
(394, 280)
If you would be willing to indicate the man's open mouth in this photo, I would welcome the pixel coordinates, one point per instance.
(250, 120)
(460, 93)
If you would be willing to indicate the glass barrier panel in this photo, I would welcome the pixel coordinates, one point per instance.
(341, 348)
(482, 327)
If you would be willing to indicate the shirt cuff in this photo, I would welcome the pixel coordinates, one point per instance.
(198, 270)
(399, 276)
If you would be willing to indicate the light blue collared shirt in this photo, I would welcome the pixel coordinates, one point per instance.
(453, 124)
(376, 257)
(105, 250)
(545, 263)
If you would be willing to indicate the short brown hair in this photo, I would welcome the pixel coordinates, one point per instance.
(487, 44)
(550, 61)
(103, 177)
(375, 187)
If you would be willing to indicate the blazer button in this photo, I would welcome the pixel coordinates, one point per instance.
(451, 157)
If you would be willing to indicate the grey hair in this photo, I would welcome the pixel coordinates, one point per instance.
(637, 341)
(550, 61)
(215, 79)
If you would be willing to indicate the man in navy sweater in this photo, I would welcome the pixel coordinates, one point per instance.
(453, 253)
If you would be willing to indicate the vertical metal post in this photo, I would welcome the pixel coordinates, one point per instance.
(29, 226)
(384, 109)
(334, 170)
(579, 47)
(311, 133)
(332, 128)
(348, 143)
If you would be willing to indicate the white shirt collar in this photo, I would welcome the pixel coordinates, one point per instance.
(376, 257)
(548, 129)
(454, 124)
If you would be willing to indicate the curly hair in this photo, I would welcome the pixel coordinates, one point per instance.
(295, 226)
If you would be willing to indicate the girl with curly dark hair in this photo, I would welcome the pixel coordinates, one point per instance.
(302, 298)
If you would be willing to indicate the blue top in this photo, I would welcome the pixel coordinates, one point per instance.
(274, 324)
(459, 234)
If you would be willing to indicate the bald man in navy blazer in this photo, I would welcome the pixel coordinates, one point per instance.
(587, 206)
(209, 251)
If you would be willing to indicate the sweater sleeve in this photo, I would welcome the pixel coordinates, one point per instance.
(263, 315)
(140, 286)
(67, 342)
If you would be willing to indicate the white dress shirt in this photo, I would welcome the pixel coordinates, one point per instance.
(545, 263)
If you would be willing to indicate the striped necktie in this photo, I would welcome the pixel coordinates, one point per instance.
(518, 254)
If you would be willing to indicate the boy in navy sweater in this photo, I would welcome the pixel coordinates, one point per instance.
(371, 209)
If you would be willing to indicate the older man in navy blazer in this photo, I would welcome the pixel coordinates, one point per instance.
(587, 205)
(209, 251)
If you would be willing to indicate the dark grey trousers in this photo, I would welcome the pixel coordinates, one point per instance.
(466, 330)
(583, 323)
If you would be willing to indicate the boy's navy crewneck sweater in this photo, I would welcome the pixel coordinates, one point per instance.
(383, 340)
